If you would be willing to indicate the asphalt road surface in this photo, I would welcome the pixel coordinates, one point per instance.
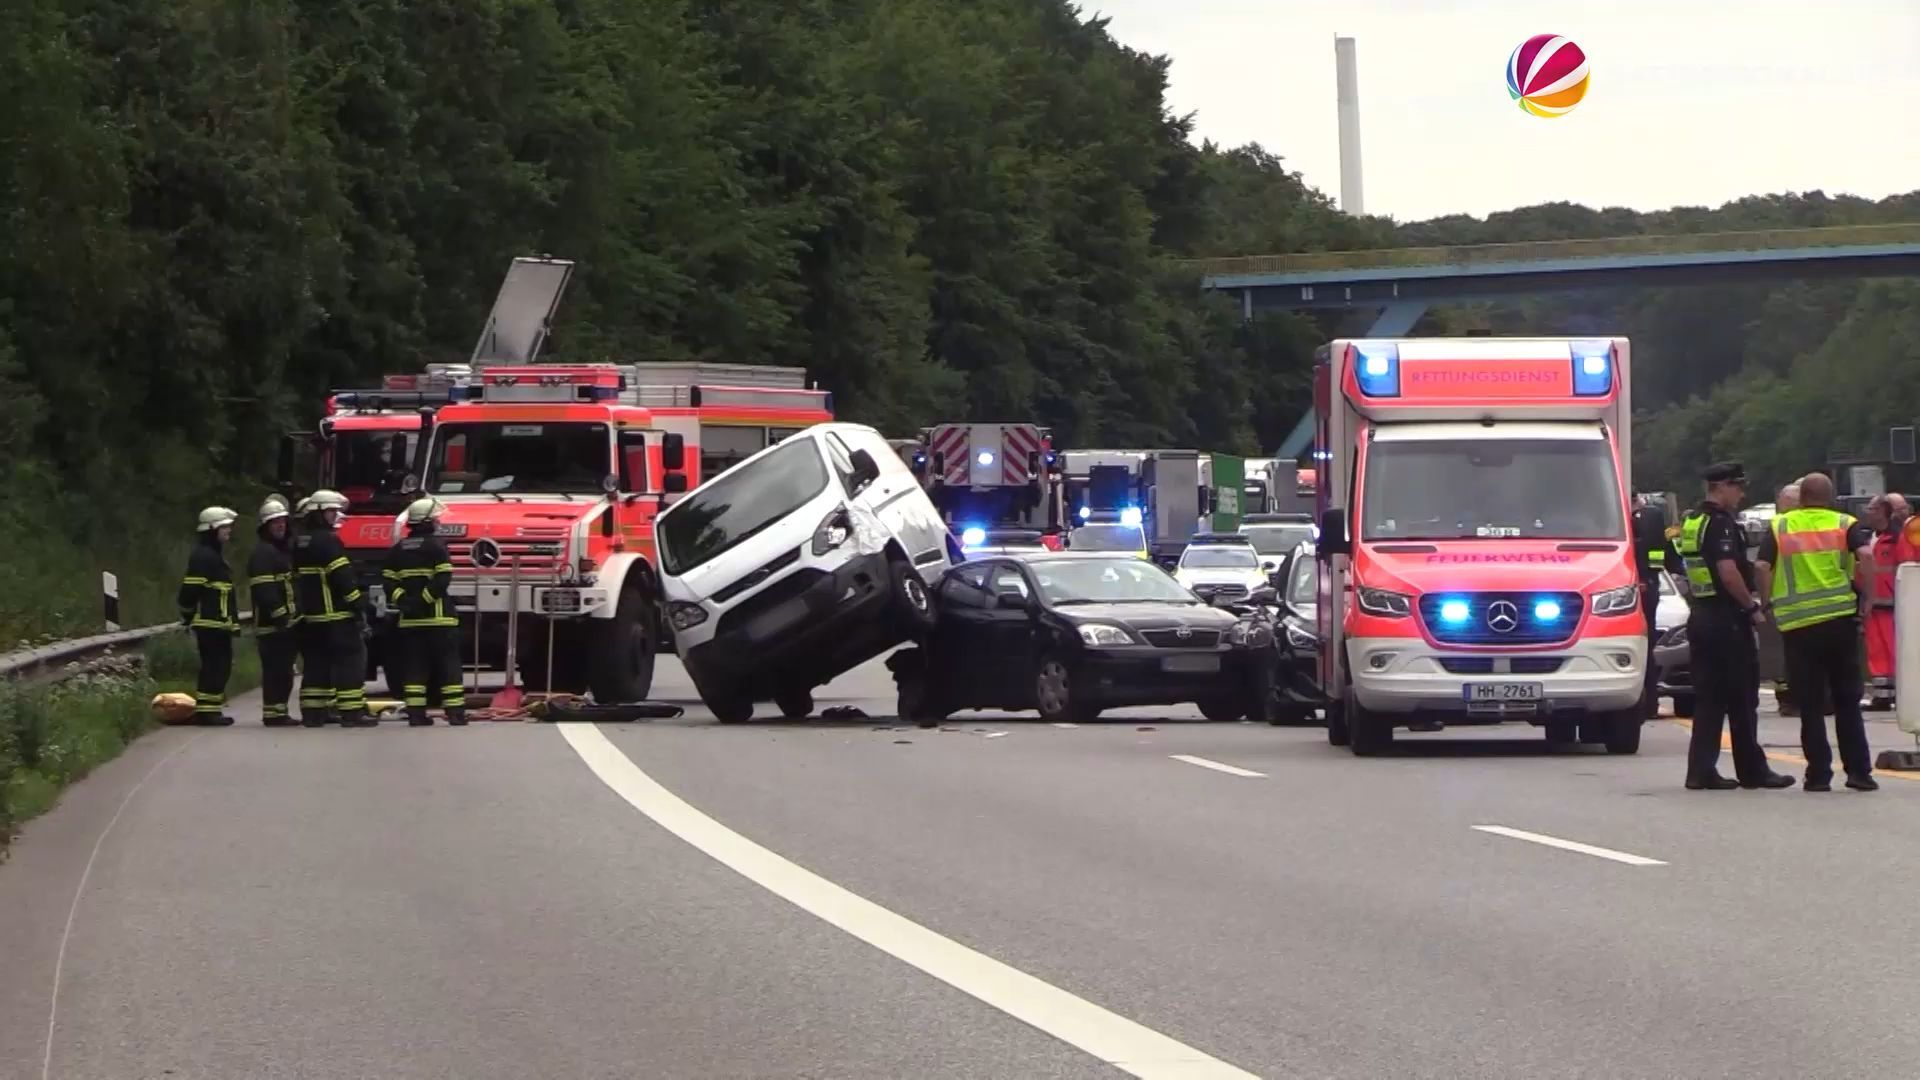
(997, 898)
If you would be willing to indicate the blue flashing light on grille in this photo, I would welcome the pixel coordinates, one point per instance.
(1592, 368)
(1086, 512)
(1454, 612)
(973, 537)
(1379, 370)
(985, 459)
(1130, 516)
(1546, 610)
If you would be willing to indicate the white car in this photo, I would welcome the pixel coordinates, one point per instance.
(1220, 570)
(791, 568)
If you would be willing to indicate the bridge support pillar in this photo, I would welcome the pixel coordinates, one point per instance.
(1397, 318)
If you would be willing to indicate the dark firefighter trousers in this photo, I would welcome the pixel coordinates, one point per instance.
(216, 667)
(430, 669)
(277, 652)
(333, 687)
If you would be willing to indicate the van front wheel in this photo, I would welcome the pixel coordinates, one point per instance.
(912, 600)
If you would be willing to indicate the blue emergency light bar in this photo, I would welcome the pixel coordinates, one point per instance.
(973, 536)
(1377, 369)
(1592, 368)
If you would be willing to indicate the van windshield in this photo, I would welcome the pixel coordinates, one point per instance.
(717, 516)
(1450, 489)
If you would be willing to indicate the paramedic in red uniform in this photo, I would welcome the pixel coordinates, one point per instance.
(1886, 515)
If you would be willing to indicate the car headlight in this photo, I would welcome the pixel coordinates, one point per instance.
(685, 616)
(1104, 635)
(1300, 639)
(834, 529)
(1383, 602)
(1617, 601)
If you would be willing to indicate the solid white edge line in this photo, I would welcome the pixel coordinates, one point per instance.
(1216, 766)
(1569, 845)
(1114, 1039)
(79, 890)
(1064, 726)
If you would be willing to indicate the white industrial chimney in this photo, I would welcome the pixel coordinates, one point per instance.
(1347, 75)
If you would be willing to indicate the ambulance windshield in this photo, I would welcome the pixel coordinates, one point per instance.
(1454, 489)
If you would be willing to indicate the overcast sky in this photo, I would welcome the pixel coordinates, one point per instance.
(1692, 102)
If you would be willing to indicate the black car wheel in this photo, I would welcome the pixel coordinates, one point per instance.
(1053, 694)
(1222, 710)
(795, 703)
(914, 704)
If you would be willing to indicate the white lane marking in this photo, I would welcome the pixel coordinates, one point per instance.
(1064, 726)
(996, 734)
(60, 956)
(1570, 845)
(1114, 1039)
(1216, 766)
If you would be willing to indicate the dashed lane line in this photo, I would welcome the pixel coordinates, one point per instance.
(1569, 845)
(1216, 766)
(1126, 1045)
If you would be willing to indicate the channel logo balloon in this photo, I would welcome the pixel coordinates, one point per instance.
(1547, 75)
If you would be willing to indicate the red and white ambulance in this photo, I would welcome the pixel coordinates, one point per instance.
(1474, 539)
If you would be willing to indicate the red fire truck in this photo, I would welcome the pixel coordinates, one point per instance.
(993, 476)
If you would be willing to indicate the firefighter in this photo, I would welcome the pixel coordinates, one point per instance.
(270, 582)
(1653, 554)
(1721, 622)
(1816, 551)
(206, 606)
(1887, 517)
(1784, 500)
(332, 609)
(418, 574)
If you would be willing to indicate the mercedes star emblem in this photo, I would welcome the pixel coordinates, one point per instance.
(486, 553)
(1183, 633)
(1502, 616)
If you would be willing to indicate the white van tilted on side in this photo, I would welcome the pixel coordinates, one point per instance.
(807, 559)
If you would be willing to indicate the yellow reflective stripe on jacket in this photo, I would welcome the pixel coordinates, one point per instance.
(1813, 576)
(1699, 575)
(328, 612)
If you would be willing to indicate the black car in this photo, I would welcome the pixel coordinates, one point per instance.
(1297, 587)
(1071, 635)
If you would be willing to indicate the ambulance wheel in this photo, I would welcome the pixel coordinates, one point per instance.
(1623, 731)
(1683, 705)
(620, 666)
(1337, 733)
(1369, 732)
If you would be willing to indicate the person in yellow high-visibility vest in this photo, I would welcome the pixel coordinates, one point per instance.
(1806, 569)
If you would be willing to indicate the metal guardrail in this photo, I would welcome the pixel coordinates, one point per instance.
(61, 658)
(1551, 250)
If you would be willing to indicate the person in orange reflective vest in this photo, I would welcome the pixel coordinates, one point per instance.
(1888, 516)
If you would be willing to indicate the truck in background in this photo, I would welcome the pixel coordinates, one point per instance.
(1475, 538)
(1174, 502)
(1223, 492)
(988, 476)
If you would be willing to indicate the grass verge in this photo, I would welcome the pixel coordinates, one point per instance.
(53, 734)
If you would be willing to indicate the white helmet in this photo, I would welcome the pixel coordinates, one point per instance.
(214, 517)
(326, 499)
(422, 511)
(274, 508)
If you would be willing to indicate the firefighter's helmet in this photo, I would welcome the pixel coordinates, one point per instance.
(215, 517)
(326, 499)
(273, 509)
(421, 511)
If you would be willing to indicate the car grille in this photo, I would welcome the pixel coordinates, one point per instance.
(769, 598)
(1518, 665)
(1229, 592)
(1477, 629)
(540, 551)
(1171, 639)
(1535, 665)
(780, 562)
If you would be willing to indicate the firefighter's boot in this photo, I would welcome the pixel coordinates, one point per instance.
(417, 717)
(457, 716)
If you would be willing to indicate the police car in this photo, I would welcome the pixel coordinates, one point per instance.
(1220, 566)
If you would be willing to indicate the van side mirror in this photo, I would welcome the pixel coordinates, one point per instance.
(673, 452)
(865, 469)
(1333, 533)
(675, 482)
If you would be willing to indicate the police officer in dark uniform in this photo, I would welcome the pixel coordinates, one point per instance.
(418, 574)
(332, 619)
(1720, 629)
(1653, 555)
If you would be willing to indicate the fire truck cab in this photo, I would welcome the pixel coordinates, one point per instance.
(993, 476)
(1475, 539)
